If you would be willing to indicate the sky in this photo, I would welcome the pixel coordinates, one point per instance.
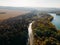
(31, 3)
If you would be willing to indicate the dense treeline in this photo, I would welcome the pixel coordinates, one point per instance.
(45, 32)
(14, 31)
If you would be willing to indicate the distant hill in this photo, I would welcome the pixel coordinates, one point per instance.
(31, 8)
(17, 8)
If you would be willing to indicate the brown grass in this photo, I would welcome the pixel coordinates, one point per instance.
(10, 13)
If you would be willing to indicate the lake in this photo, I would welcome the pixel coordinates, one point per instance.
(56, 20)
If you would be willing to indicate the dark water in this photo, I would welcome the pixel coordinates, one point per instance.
(56, 20)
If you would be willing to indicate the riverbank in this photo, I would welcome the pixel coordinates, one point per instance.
(45, 33)
(56, 20)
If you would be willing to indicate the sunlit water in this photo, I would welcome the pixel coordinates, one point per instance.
(56, 20)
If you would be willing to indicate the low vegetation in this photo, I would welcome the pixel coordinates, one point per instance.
(58, 12)
(2, 12)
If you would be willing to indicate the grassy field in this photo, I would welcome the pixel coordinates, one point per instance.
(5, 14)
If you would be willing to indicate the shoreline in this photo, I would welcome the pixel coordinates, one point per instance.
(42, 25)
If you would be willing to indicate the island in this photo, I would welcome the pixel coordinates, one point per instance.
(58, 13)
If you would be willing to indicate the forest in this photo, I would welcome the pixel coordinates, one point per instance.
(45, 33)
(14, 31)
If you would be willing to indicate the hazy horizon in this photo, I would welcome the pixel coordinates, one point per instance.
(31, 3)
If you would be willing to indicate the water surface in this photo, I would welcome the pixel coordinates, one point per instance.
(56, 20)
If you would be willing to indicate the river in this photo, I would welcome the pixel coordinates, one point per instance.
(56, 20)
(30, 33)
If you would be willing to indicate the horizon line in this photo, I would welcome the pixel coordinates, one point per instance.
(29, 7)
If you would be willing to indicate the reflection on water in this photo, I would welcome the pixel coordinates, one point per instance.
(56, 20)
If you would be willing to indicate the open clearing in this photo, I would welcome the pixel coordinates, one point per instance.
(5, 14)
